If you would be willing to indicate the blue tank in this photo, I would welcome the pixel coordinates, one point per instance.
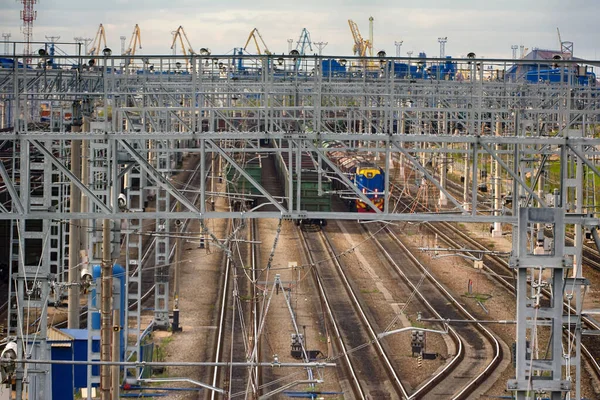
(118, 302)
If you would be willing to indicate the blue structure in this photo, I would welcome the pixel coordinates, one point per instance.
(332, 67)
(71, 346)
(118, 300)
(10, 63)
(541, 66)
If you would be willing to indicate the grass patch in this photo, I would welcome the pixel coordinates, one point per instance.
(417, 324)
(366, 291)
(481, 297)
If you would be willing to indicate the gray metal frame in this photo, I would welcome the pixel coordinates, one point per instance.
(145, 115)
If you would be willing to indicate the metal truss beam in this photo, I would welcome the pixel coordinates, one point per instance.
(420, 168)
(72, 177)
(484, 112)
(513, 175)
(159, 178)
(14, 196)
(344, 178)
(251, 180)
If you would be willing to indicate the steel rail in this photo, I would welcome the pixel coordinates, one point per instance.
(387, 362)
(492, 365)
(588, 321)
(355, 383)
(222, 301)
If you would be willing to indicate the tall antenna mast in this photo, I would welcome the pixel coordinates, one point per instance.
(28, 15)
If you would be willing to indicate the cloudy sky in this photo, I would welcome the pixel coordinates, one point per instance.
(488, 28)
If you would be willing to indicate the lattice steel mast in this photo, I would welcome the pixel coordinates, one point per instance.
(28, 15)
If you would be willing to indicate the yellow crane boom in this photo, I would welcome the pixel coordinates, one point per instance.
(97, 46)
(180, 34)
(360, 45)
(135, 41)
(255, 34)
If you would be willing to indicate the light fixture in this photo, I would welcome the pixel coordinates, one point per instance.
(205, 51)
(280, 61)
(342, 62)
(106, 52)
(381, 54)
(177, 65)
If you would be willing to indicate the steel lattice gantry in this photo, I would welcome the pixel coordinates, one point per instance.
(140, 118)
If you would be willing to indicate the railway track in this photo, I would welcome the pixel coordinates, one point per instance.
(591, 255)
(476, 363)
(350, 328)
(497, 268)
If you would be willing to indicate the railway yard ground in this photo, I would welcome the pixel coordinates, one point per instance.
(202, 267)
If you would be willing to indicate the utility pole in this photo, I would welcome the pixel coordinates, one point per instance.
(116, 345)
(178, 253)
(177, 274)
(410, 53)
(399, 48)
(320, 46)
(105, 312)
(6, 36)
(123, 38)
(290, 41)
(84, 41)
(442, 41)
(53, 39)
(74, 235)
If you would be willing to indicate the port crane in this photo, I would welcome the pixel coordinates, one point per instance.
(180, 34)
(361, 46)
(97, 46)
(134, 42)
(256, 36)
(304, 42)
(566, 48)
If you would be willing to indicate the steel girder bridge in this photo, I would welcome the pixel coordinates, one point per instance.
(129, 123)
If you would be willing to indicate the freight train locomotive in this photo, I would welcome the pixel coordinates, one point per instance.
(370, 179)
(364, 174)
(316, 194)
